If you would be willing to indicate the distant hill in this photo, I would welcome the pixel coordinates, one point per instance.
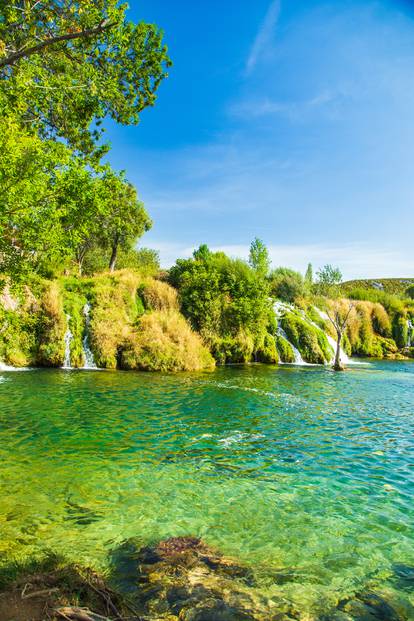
(389, 285)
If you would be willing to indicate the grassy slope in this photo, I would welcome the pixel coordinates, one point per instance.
(395, 286)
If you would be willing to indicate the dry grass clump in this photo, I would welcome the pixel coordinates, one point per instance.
(368, 329)
(114, 309)
(164, 341)
(52, 327)
(159, 296)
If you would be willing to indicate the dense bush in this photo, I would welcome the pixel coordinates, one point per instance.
(226, 301)
(157, 295)
(287, 285)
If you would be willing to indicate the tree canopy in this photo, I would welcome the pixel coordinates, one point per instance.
(65, 66)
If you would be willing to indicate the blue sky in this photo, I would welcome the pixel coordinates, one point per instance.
(290, 120)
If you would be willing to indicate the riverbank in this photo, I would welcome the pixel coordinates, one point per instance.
(179, 579)
(133, 322)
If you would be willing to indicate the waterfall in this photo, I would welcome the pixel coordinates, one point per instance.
(87, 353)
(5, 367)
(68, 341)
(279, 307)
(410, 326)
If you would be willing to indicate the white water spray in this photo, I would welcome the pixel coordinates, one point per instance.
(6, 367)
(68, 341)
(87, 352)
(410, 326)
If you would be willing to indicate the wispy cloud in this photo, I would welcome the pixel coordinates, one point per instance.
(356, 260)
(264, 35)
(294, 110)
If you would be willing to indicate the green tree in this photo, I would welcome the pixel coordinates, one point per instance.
(329, 280)
(259, 257)
(202, 253)
(227, 301)
(123, 218)
(286, 284)
(30, 173)
(64, 66)
(309, 275)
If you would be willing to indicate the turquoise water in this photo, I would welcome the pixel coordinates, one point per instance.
(298, 472)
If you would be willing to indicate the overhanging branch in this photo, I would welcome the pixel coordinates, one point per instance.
(82, 34)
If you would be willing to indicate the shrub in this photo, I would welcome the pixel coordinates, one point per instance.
(163, 341)
(225, 300)
(287, 285)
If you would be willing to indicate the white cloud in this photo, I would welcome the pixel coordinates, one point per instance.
(264, 35)
(355, 260)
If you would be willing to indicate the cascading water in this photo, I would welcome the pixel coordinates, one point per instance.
(6, 367)
(87, 352)
(280, 307)
(68, 341)
(410, 339)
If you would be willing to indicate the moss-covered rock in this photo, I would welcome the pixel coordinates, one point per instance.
(233, 349)
(267, 351)
(182, 579)
(52, 327)
(307, 338)
(284, 348)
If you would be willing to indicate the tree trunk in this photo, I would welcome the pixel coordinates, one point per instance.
(338, 364)
(114, 254)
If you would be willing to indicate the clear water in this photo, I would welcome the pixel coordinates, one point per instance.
(289, 469)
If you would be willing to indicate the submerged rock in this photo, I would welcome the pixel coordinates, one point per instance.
(182, 579)
(372, 606)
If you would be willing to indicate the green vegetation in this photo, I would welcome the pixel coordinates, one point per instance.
(396, 286)
(64, 69)
(227, 302)
(288, 285)
(135, 324)
(307, 338)
(68, 222)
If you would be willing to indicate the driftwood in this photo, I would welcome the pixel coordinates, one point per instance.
(79, 614)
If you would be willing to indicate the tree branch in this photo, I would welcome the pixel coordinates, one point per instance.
(83, 34)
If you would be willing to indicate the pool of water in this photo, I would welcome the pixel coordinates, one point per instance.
(290, 470)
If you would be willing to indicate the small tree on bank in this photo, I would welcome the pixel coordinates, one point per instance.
(339, 322)
(328, 284)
